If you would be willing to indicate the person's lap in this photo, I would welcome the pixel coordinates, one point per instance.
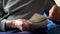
(39, 31)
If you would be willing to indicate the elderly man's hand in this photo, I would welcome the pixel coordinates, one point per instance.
(54, 13)
(21, 24)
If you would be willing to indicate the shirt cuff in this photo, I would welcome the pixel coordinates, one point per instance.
(2, 25)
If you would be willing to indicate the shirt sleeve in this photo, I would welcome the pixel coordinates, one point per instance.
(2, 25)
(2, 22)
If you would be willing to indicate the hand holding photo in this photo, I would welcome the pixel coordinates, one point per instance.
(39, 20)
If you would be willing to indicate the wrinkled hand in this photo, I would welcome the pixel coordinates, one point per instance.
(23, 24)
(54, 13)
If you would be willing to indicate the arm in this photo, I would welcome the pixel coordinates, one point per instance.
(11, 5)
(2, 23)
(6, 23)
(10, 23)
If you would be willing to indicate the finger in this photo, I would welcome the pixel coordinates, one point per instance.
(20, 28)
(25, 26)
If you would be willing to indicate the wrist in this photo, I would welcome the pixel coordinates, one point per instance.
(9, 24)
